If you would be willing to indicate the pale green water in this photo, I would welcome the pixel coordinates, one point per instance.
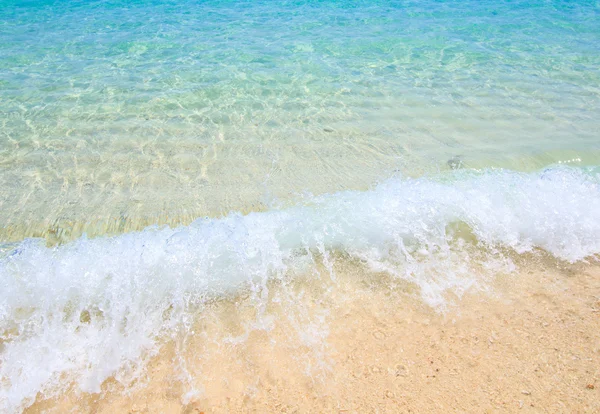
(117, 115)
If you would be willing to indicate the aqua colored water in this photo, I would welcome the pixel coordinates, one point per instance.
(118, 115)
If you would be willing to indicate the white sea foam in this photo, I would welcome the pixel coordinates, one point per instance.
(82, 312)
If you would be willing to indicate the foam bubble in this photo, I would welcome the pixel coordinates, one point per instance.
(91, 309)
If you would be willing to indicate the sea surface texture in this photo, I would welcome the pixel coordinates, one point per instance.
(159, 155)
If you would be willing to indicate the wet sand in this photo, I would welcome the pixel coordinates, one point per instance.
(365, 343)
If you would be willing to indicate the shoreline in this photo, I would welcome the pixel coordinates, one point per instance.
(530, 342)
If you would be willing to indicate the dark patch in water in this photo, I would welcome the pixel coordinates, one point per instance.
(455, 162)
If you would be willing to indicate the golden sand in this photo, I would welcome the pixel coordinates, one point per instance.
(359, 345)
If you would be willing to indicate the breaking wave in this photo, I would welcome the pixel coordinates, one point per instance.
(82, 312)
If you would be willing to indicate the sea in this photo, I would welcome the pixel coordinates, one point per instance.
(161, 158)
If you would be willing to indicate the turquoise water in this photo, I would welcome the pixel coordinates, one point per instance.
(118, 115)
(430, 140)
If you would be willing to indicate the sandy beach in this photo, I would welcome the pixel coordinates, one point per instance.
(529, 342)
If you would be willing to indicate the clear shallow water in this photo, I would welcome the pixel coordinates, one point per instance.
(119, 115)
(425, 140)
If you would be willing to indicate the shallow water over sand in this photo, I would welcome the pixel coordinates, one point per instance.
(305, 157)
(115, 116)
